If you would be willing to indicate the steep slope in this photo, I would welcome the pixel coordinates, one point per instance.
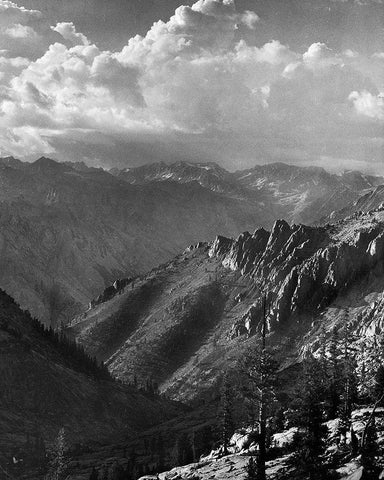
(189, 320)
(304, 194)
(371, 200)
(66, 233)
(44, 386)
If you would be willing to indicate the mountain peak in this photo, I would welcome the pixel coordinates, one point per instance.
(11, 162)
(45, 161)
(45, 164)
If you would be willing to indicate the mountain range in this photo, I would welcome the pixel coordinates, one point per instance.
(67, 230)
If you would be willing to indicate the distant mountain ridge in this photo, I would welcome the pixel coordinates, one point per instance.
(67, 230)
(297, 194)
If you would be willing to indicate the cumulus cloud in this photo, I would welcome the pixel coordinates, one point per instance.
(20, 31)
(249, 19)
(11, 12)
(367, 104)
(68, 31)
(23, 31)
(192, 75)
(319, 55)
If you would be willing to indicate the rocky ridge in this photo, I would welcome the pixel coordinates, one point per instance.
(308, 276)
(302, 269)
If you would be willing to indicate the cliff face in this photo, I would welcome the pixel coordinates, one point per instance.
(189, 320)
(302, 269)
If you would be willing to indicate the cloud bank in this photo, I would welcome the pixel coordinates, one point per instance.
(193, 78)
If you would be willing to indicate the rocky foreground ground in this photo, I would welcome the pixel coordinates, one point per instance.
(233, 466)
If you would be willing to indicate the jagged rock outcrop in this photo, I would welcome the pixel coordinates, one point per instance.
(114, 289)
(302, 269)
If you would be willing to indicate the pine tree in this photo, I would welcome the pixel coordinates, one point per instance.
(58, 462)
(225, 411)
(369, 453)
(349, 380)
(259, 368)
(334, 385)
(354, 442)
(310, 440)
(369, 447)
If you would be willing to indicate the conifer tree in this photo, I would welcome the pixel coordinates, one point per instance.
(225, 414)
(349, 381)
(369, 453)
(310, 440)
(259, 368)
(334, 384)
(58, 461)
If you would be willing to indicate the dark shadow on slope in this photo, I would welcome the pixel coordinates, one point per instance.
(198, 313)
(109, 335)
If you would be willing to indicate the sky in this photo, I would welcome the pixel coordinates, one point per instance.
(126, 82)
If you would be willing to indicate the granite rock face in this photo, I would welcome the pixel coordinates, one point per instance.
(301, 269)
